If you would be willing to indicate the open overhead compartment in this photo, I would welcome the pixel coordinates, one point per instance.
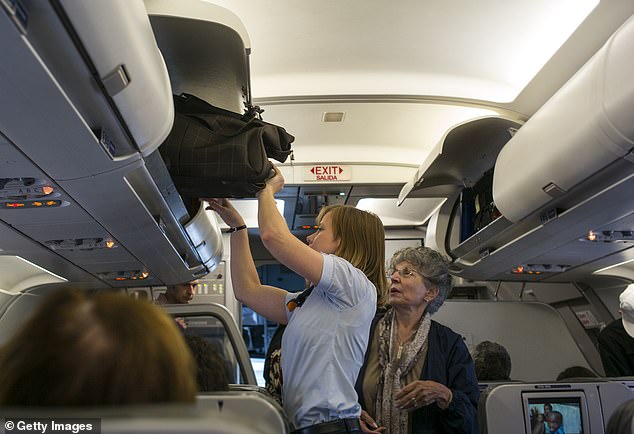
(87, 102)
(564, 183)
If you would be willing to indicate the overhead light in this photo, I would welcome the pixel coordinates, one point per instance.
(609, 236)
(537, 269)
(81, 244)
(414, 212)
(120, 276)
(21, 189)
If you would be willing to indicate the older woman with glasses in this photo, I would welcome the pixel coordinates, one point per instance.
(418, 376)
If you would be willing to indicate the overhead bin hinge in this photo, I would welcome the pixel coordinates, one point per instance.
(116, 81)
(17, 13)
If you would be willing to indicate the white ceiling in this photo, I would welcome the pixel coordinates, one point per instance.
(485, 49)
(404, 72)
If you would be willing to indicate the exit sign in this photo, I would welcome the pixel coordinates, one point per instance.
(327, 173)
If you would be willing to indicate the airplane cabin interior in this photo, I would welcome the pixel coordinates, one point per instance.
(501, 138)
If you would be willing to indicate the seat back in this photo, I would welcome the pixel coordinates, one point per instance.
(263, 411)
(585, 407)
(152, 419)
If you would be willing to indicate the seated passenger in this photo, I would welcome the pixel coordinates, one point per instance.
(80, 349)
(492, 362)
(576, 372)
(621, 420)
(418, 375)
(211, 374)
(182, 293)
(616, 340)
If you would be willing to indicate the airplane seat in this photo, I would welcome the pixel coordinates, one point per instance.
(482, 415)
(585, 407)
(150, 419)
(263, 410)
(223, 348)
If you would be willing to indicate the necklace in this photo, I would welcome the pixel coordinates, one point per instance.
(401, 344)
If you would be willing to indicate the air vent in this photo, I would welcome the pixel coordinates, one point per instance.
(333, 116)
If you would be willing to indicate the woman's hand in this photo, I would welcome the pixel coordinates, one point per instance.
(368, 424)
(274, 184)
(420, 393)
(226, 211)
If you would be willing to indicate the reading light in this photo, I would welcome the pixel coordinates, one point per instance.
(80, 244)
(19, 189)
(538, 269)
(622, 236)
(120, 276)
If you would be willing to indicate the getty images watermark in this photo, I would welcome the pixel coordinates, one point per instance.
(51, 426)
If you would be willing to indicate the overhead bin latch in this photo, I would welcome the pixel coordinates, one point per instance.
(116, 81)
(553, 190)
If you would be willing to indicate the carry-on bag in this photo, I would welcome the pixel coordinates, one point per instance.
(212, 152)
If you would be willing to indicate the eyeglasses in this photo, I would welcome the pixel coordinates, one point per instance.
(404, 273)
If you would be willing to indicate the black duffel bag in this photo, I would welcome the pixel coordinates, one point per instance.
(212, 152)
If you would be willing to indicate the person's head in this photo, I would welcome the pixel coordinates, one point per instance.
(621, 420)
(548, 408)
(540, 418)
(419, 276)
(554, 419)
(626, 306)
(356, 236)
(212, 374)
(80, 349)
(576, 372)
(492, 362)
(182, 293)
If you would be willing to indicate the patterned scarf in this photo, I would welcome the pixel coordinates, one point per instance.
(394, 370)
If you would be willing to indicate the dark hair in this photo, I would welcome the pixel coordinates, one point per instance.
(492, 362)
(621, 420)
(80, 349)
(433, 267)
(576, 372)
(212, 374)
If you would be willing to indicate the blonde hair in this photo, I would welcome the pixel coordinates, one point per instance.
(105, 349)
(362, 243)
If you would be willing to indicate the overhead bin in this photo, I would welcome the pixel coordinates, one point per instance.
(206, 48)
(583, 130)
(451, 161)
(88, 100)
(105, 58)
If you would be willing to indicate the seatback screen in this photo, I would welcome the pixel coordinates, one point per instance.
(555, 414)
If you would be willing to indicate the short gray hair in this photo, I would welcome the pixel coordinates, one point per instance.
(432, 266)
